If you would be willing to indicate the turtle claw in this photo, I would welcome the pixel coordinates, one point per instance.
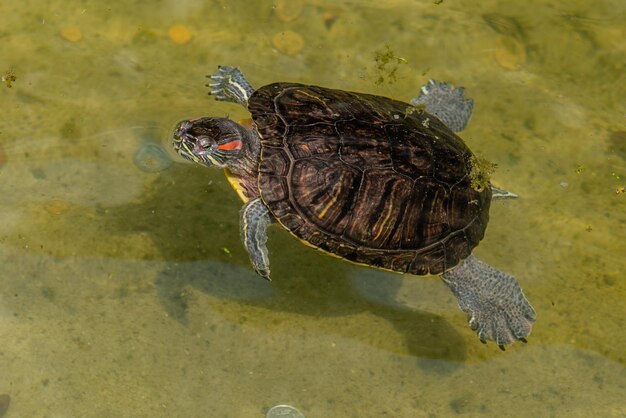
(218, 94)
(216, 90)
(229, 85)
(495, 304)
(501, 324)
(265, 273)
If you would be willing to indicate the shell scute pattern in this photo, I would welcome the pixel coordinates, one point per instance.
(356, 176)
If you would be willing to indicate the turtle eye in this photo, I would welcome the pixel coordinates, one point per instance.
(204, 145)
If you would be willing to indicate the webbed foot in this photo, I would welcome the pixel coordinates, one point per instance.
(494, 302)
(229, 85)
(447, 103)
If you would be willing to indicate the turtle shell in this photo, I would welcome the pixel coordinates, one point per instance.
(367, 179)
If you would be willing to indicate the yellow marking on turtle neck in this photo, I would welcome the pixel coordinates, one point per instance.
(235, 183)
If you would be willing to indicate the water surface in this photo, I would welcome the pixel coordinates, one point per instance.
(124, 288)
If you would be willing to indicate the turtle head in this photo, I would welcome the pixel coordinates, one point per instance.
(209, 141)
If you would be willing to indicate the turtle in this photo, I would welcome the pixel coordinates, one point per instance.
(366, 178)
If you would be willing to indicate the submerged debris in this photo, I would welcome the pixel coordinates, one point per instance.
(387, 64)
(620, 189)
(329, 19)
(56, 207)
(179, 34)
(9, 78)
(288, 42)
(288, 10)
(71, 33)
(504, 25)
(509, 53)
(480, 172)
(420, 107)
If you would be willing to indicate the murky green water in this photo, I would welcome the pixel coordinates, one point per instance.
(126, 292)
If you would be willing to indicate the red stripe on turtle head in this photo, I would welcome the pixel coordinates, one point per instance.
(232, 145)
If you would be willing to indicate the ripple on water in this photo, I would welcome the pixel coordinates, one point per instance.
(151, 157)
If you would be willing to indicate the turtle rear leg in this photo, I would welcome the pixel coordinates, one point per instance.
(255, 218)
(501, 194)
(494, 302)
(229, 85)
(447, 103)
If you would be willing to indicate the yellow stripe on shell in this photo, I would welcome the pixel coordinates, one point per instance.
(308, 244)
(381, 228)
(332, 202)
(239, 189)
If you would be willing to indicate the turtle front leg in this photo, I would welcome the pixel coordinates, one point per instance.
(255, 218)
(229, 85)
(446, 102)
(494, 302)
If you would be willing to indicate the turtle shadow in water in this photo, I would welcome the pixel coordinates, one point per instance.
(190, 223)
(427, 336)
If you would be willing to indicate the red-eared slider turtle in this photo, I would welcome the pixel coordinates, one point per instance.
(369, 179)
